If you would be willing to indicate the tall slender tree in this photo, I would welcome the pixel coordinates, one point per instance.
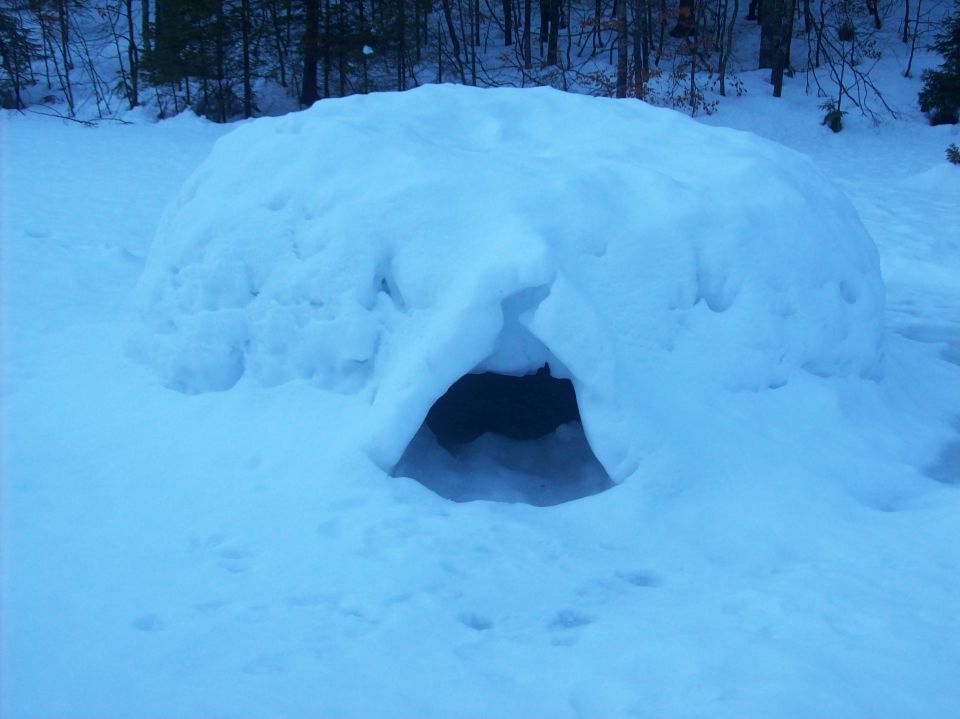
(310, 50)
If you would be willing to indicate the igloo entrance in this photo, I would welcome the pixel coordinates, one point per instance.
(505, 438)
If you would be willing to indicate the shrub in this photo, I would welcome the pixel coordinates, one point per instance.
(834, 117)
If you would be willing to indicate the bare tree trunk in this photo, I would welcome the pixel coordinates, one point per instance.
(63, 76)
(554, 34)
(145, 35)
(641, 48)
(663, 31)
(401, 45)
(451, 31)
(913, 45)
(63, 18)
(729, 46)
(474, 38)
(308, 92)
(470, 51)
(622, 48)
(781, 59)
(776, 30)
(341, 59)
(363, 38)
(326, 46)
(416, 29)
(221, 65)
(476, 23)
(544, 23)
(527, 43)
(507, 22)
(906, 22)
(278, 43)
(133, 56)
(245, 50)
(872, 8)
(693, 78)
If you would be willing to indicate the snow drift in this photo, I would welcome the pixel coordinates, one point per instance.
(386, 245)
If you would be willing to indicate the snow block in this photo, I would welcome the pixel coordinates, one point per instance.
(387, 245)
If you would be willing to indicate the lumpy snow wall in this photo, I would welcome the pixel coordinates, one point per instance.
(385, 246)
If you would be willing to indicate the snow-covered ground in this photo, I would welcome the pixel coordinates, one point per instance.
(786, 552)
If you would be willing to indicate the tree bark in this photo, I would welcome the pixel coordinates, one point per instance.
(308, 92)
(401, 46)
(906, 22)
(507, 22)
(728, 48)
(145, 36)
(221, 65)
(451, 30)
(544, 22)
(771, 20)
(245, 50)
(780, 47)
(527, 42)
(326, 46)
(554, 34)
(278, 43)
(133, 56)
(641, 47)
(622, 49)
(63, 17)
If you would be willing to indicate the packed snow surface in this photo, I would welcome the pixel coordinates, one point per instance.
(391, 243)
(782, 541)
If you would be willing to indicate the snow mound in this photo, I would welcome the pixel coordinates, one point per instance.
(389, 244)
(943, 178)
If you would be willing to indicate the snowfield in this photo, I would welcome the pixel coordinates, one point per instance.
(202, 513)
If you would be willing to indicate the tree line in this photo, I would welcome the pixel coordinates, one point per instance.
(227, 58)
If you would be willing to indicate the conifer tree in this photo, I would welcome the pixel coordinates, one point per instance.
(940, 96)
(17, 51)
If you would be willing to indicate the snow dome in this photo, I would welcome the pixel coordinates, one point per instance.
(387, 246)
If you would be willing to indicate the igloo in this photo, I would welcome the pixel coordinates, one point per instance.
(386, 246)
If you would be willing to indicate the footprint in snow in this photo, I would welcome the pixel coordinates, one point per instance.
(474, 621)
(200, 543)
(570, 619)
(640, 578)
(310, 601)
(149, 623)
(210, 607)
(234, 559)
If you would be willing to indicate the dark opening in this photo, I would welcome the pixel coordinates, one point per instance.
(505, 438)
(525, 407)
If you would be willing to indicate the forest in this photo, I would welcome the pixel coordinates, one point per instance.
(228, 59)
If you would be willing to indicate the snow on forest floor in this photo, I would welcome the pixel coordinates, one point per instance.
(213, 555)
